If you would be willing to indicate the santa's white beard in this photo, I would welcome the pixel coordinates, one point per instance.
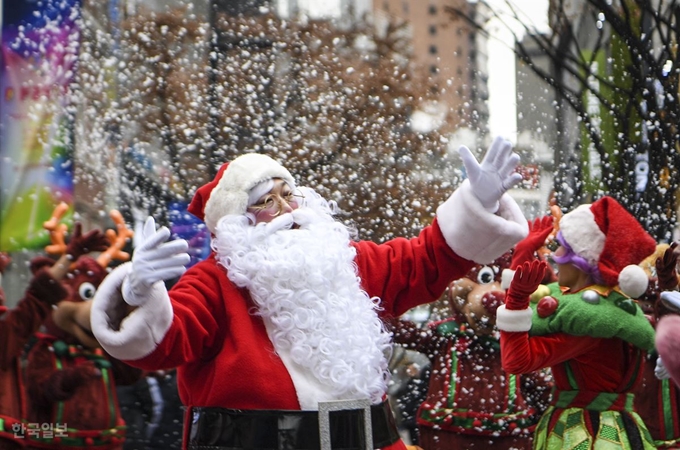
(306, 289)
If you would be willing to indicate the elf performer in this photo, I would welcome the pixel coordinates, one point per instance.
(281, 324)
(586, 328)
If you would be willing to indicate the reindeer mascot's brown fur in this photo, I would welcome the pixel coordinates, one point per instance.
(16, 327)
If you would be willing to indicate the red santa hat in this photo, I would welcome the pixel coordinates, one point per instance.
(610, 238)
(228, 192)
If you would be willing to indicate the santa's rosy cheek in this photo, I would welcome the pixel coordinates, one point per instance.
(266, 215)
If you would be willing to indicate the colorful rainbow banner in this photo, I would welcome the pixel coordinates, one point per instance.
(40, 44)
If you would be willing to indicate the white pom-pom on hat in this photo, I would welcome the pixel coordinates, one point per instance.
(633, 281)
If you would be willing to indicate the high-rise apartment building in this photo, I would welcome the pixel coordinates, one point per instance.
(450, 52)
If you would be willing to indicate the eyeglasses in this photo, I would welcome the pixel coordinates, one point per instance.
(271, 201)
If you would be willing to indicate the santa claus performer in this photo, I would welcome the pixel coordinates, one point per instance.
(281, 324)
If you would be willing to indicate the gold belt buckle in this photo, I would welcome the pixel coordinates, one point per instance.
(344, 405)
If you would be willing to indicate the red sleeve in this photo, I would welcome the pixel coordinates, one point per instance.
(523, 354)
(405, 273)
(198, 298)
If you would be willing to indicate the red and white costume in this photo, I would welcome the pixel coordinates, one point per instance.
(209, 329)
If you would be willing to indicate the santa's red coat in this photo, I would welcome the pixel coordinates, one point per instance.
(223, 352)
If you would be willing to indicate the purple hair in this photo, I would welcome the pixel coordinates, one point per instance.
(570, 257)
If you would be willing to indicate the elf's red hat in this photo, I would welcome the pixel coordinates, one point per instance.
(228, 192)
(609, 237)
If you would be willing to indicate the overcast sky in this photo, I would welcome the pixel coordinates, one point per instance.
(502, 101)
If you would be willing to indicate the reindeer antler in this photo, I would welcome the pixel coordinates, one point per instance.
(556, 212)
(117, 239)
(57, 230)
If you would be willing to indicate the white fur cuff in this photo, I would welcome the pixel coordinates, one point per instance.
(141, 330)
(513, 320)
(506, 278)
(476, 234)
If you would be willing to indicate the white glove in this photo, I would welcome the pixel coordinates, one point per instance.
(153, 260)
(660, 370)
(496, 174)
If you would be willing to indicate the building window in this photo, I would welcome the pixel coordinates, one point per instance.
(433, 10)
(386, 6)
(433, 30)
(434, 70)
(404, 7)
(433, 49)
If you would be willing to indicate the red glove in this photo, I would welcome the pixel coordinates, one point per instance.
(94, 241)
(528, 277)
(665, 269)
(539, 230)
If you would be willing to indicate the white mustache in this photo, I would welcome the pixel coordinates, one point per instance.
(301, 217)
(284, 221)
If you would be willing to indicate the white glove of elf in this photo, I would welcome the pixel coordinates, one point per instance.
(153, 260)
(490, 180)
(671, 300)
(660, 370)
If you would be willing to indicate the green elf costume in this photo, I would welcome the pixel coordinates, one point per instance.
(587, 328)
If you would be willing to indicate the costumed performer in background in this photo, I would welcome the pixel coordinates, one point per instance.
(586, 328)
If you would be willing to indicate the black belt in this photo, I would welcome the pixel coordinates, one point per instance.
(234, 429)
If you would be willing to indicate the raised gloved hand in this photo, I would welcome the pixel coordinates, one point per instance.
(496, 174)
(539, 230)
(153, 260)
(666, 269)
(528, 277)
(93, 241)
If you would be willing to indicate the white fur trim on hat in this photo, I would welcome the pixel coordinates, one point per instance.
(513, 319)
(260, 189)
(230, 196)
(474, 233)
(139, 332)
(582, 233)
(633, 281)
